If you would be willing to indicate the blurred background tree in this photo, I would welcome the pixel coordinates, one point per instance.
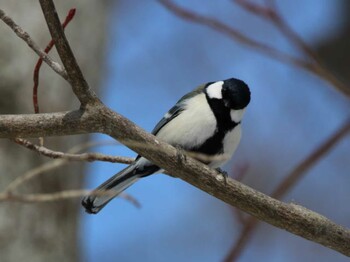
(44, 231)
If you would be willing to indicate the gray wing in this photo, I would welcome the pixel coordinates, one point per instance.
(176, 110)
(172, 113)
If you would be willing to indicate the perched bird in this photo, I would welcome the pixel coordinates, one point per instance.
(206, 121)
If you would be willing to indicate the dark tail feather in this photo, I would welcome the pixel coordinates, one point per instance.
(112, 187)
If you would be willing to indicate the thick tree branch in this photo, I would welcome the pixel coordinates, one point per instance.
(283, 188)
(26, 38)
(290, 217)
(79, 85)
(49, 124)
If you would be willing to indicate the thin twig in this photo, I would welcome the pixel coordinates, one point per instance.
(79, 85)
(8, 195)
(270, 51)
(287, 184)
(50, 165)
(271, 14)
(37, 67)
(26, 38)
(66, 194)
(33, 173)
(89, 157)
(233, 33)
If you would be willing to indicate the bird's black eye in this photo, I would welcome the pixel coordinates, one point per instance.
(235, 93)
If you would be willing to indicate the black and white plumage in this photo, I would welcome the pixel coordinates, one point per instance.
(206, 121)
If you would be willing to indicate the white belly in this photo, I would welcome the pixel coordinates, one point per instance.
(230, 143)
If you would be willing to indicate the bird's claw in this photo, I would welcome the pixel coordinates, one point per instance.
(224, 174)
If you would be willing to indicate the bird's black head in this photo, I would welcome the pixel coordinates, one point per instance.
(235, 93)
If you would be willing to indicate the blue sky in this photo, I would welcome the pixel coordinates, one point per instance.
(153, 58)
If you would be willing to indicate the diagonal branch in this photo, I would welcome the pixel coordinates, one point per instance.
(232, 33)
(313, 67)
(291, 217)
(79, 85)
(291, 180)
(271, 14)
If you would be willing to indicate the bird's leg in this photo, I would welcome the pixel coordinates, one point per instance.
(223, 173)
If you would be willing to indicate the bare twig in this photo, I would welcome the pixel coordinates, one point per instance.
(79, 85)
(300, 170)
(66, 194)
(233, 33)
(49, 166)
(291, 180)
(271, 14)
(270, 51)
(89, 157)
(8, 195)
(26, 37)
(89, 144)
(37, 67)
(33, 173)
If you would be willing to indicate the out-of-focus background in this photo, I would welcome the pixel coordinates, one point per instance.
(143, 59)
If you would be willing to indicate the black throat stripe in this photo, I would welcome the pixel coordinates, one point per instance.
(214, 145)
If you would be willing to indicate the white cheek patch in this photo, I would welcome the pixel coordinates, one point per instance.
(214, 90)
(236, 115)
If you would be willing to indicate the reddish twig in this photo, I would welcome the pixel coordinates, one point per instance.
(37, 67)
(76, 78)
(287, 184)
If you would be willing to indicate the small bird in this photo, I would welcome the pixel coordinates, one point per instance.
(206, 121)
